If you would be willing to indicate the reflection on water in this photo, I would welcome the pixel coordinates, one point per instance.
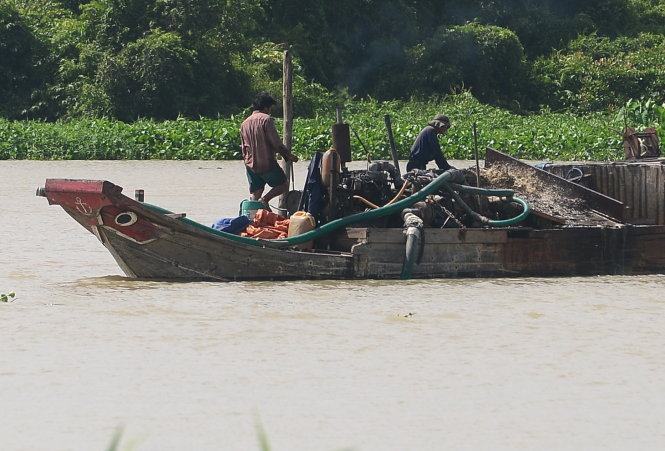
(368, 365)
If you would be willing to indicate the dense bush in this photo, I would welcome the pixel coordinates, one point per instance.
(151, 77)
(488, 60)
(265, 71)
(652, 15)
(597, 73)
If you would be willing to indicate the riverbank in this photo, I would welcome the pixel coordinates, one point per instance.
(548, 135)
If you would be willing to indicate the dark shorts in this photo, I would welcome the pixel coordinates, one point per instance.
(274, 177)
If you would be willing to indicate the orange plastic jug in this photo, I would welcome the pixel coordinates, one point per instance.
(302, 222)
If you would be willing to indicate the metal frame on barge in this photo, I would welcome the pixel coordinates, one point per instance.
(150, 243)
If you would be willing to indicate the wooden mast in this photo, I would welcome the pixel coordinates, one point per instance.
(287, 106)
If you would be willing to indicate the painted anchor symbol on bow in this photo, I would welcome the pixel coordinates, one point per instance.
(83, 207)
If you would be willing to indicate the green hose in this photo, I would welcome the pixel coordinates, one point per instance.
(489, 192)
(510, 194)
(431, 188)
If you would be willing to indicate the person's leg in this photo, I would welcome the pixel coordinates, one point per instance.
(256, 195)
(276, 179)
(256, 184)
(275, 191)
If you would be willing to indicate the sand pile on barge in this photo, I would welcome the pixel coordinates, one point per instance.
(541, 196)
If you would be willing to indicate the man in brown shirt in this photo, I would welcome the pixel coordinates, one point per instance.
(260, 143)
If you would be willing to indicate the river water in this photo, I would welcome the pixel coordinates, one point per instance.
(363, 365)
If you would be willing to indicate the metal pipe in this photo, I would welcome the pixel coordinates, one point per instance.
(393, 147)
(360, 140)
(401, 191)
(475, 151)
(366, 202)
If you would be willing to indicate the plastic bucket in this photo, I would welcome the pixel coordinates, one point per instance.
(250, 207)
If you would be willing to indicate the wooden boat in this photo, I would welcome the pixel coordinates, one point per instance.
(150, 243)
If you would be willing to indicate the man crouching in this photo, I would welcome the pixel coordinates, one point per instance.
(260, 144)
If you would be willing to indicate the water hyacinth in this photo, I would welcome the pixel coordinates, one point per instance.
(548, 135)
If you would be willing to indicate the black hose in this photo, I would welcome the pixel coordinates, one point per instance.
(412, 251)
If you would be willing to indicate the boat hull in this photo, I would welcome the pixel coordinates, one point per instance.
(149, 244)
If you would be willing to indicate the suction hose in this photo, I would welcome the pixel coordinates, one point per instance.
(510, 194)
(325, 229)
(414, 229)
(387, 210)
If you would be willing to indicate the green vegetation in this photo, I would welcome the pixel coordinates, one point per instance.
(548, 135)
(161, 59)
(595, 71)
(172, 78)
(9, 297)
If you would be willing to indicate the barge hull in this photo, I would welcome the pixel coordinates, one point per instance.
(514, 252)
(150, 244)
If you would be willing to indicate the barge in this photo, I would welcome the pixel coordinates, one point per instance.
(149, 242)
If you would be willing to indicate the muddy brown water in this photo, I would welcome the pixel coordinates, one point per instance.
(364, 365)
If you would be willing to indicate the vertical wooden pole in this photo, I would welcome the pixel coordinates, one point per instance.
(475, 152)
(393, 147)
(287, 106)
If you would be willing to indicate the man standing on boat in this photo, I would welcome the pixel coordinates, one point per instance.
(427, 148)
(260, 144)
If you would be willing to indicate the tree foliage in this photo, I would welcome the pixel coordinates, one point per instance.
(486, 59)
(19, 53)
(596, 73)
(168, 58)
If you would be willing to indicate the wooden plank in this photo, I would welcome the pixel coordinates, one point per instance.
(637, 200)
(606, 184)
(629, 178)
(596, 180)
(623, 172)
(642, 194)
(616, 177)
(655, 174)
(660, 190)
(651, 195)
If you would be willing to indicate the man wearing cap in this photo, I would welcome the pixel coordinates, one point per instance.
(426, 147)
(260, 143)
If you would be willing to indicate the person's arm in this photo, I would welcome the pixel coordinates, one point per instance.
(243, 146)
(276, 142)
